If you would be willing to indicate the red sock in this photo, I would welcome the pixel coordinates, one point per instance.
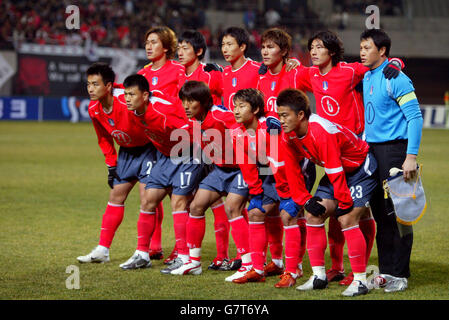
(221, 228)
(336, 244)
(257, 240)
(112, 218)
(239, 231)
(196, 227)
(275, 234)
(356, 248)
(316, 244)
(302, 245)
(156, 239)
(368, 228)
(292, 244)
(180, 224)
(245, 214)
(145, 229)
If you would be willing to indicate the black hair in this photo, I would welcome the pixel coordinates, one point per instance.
(137, 80)
(296, 100)
(102, 69)
(380, 39)
(196, 39)
(239, 34)
(197, 91)
(254, 97)
(331, 42)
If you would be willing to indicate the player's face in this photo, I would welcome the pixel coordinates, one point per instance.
(271, 53)
(231, 49)
(96, 87)
(319, 53)
(369, 55)
(288, 118)
(135, 99)
(193, 108)
(186, 54)
(242, 112)
(154, 47)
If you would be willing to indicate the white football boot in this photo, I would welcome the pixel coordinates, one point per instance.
(99, 254)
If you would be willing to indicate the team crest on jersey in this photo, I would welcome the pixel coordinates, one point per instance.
(234, 82)
(252, 145)
(143, 122)
(111, 122)
(273, 85)
(154, 81)
(371, 90)
(325, 85)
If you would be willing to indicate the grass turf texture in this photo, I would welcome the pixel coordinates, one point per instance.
(53, 193)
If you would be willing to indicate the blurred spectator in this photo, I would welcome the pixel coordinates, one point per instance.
(272, 18)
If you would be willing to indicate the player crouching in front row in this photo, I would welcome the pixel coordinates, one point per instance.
(344, 191)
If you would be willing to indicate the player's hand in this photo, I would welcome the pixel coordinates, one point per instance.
(340, 212)
(392, 69)
(256, 203)
(314, 207)
(273, 125)
(212, 67)
(112, 173)
(289, 206)
(409, 167)
(291, 64)
(263, 69)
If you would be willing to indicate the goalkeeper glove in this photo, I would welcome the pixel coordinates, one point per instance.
(339, 212)
(392, 69)
(273, 125)
(314, 207)
(263, 69)
(112, 173)
(212, 67)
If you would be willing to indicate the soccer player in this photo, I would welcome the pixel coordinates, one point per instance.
(264, 163)
(393, 126)
(212, 124)
(191, 50)
(334, 83)
(347, 165)
(175, 171)
(112, 122)
(167, 76)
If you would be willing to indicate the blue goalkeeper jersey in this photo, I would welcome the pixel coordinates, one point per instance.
(391, 109)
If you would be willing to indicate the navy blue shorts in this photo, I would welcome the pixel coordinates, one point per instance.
(361, 183)
(224, 181)
(270, 194)
(135, 163)
(182, 176)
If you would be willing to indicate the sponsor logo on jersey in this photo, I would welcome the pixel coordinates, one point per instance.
(325, 85)
(122, 137)
(154, 81)
(234, 82)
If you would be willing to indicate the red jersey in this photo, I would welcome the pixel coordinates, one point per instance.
(258, 149)
(163, 116)
(247, 76)
(214, 79)
(117, 125)
(329, 145)
(336, 97)
(272, 84)
(168, 79)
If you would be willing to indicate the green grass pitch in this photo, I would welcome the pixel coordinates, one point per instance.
(53, 193)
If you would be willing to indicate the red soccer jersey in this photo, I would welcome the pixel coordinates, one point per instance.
(163, 116)
(168, 79)
(214, 79)
(247, 76)
(329, 145)
(272, 84)
(256, 149)
(116, 125)
(336, 97)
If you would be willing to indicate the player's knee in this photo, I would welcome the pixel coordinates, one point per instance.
(117, 197)
(256, 215)
(197, 208)
(148, 204)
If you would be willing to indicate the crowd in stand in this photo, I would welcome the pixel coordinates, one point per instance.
(121, 24)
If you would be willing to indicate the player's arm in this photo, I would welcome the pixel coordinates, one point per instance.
(106, 144)
(329, 153)
(301, 78)
(404, 94)
(295, 178)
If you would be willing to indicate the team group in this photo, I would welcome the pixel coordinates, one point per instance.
(213, 137)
